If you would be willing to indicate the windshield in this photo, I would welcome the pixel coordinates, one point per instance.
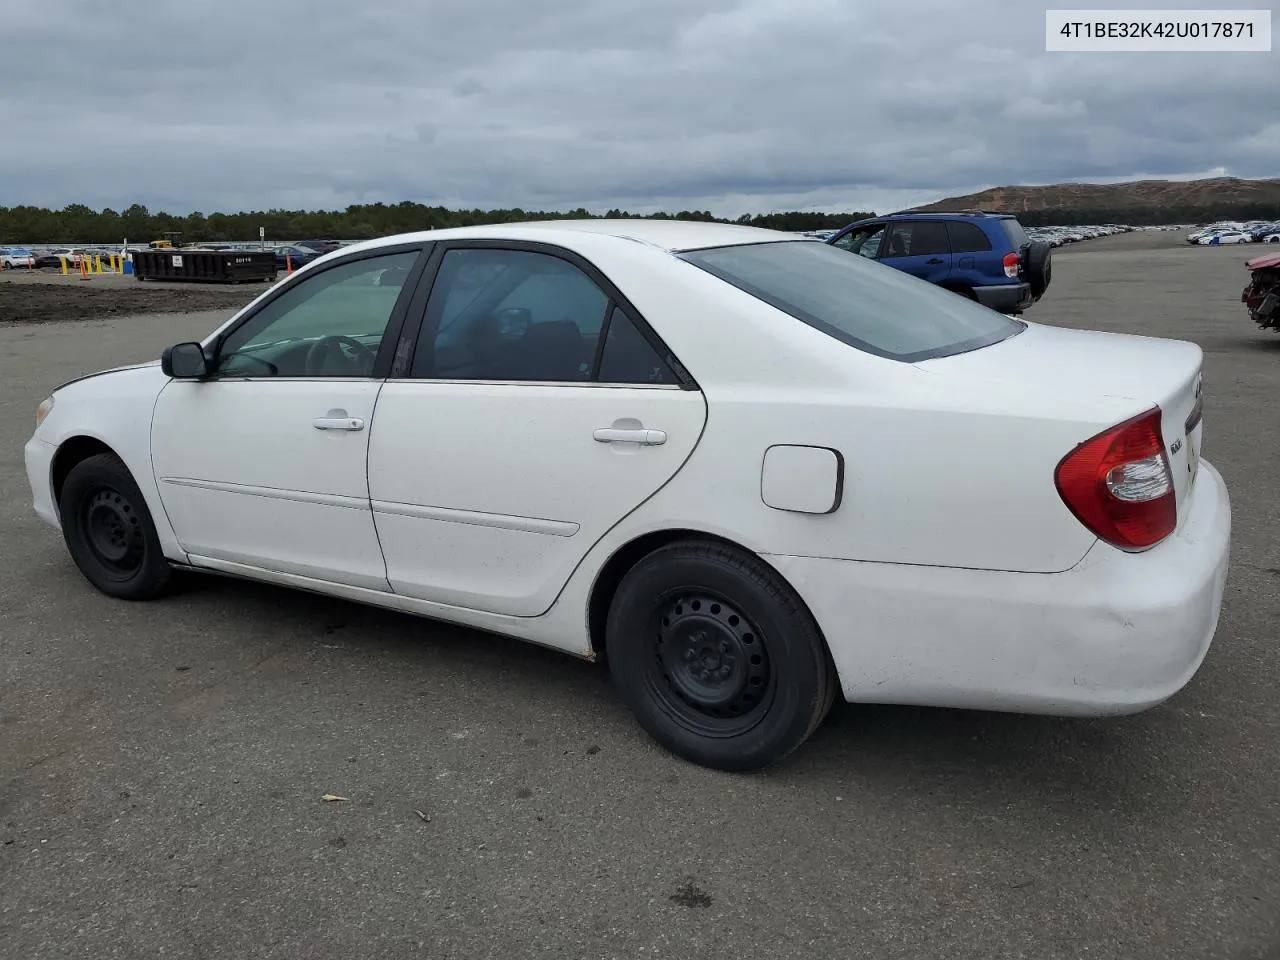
(864, 304)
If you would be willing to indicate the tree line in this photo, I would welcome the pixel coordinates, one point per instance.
(77, 223)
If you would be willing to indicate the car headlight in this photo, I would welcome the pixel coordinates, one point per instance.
(42, 411)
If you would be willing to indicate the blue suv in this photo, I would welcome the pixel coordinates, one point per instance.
(987, 257)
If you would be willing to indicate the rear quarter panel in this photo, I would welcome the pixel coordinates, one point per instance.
(926, 480)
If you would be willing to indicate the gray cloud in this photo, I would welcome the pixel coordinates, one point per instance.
(731, 105)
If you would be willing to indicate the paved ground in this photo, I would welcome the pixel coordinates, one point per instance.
(161, 765)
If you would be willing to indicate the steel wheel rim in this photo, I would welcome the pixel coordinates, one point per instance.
(709, 665)
(113, 532)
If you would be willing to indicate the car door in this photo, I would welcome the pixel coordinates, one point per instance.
(264, 462)
(918, 247)
(537, 412)
(970, 249)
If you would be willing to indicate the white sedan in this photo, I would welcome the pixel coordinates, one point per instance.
(14, 257)
(748, 470)
(1232, 236)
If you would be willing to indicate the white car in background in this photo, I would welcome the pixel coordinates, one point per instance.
(750, 471)
(71, 255)
(14, 257)
(1233, 236)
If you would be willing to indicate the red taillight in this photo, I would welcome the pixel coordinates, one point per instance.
(1119, 485)
(1011, 261)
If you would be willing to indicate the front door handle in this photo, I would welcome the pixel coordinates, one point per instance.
(338, 423)
(934, 260)
(622, 435)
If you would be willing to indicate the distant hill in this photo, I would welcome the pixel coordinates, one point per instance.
(1141, 201)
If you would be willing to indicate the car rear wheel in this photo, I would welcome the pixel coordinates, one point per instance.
(109, 531)
(717, 657)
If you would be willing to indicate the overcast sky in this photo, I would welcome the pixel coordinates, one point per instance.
(729, 105)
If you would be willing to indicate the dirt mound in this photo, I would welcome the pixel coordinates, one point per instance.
(63, 302)
(1180, 198)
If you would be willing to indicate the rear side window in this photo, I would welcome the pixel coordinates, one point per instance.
(867, 305)
(1017, 236)
(918, 238)
(628, 357)
(967, 237)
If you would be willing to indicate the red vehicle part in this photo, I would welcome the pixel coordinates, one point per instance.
(1262, 295)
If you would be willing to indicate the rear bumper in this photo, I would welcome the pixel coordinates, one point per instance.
(1116, 634)
(39, 460)
(1005, 297)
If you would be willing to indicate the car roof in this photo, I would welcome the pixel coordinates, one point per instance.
(948, 215)
(669, 235)
(976, 215)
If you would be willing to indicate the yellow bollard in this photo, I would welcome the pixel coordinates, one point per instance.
(63, 261)
(97, 265)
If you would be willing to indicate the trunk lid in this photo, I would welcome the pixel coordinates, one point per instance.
(1065, 363)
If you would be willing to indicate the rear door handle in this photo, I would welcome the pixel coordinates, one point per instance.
(934, 260)
(338, 423)
(618, 435)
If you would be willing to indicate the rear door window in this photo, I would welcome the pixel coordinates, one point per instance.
(515, 315)
(967, 237)
(917, 238)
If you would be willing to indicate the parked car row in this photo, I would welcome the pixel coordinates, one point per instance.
(41, 257)
(1058, 236)
(1252, 231)
(1054, 236)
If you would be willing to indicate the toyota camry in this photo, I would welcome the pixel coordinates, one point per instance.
(749, 472)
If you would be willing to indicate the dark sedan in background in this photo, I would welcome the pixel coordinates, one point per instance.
(294, 255)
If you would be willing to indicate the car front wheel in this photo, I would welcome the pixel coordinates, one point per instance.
(109, 532)
(717, 657)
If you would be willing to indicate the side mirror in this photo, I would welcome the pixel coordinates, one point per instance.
(184, 361)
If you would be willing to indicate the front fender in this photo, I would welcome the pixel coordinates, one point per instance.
(114, 408)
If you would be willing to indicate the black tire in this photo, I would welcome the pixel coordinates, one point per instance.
(717, 657)
(109, 531)
(1039, 267)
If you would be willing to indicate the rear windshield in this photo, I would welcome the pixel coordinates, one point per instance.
(1014, 229)
(859, 302)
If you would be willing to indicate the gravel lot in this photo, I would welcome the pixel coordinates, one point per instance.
(44, 296)
(161, 765)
